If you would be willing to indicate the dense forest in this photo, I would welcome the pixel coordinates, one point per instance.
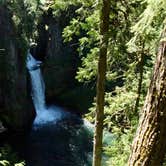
(82, 82)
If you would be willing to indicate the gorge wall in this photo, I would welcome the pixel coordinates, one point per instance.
(61, 61)
(15, 107)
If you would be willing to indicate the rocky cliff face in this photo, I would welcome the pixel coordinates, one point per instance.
(60, 59)
(15, 108)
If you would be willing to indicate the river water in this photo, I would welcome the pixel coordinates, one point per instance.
(65, 143)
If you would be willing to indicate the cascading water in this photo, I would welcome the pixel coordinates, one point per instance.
(38, 87)
(44, 114)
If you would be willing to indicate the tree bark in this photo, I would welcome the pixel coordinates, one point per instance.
(102, 64)
(149, 145)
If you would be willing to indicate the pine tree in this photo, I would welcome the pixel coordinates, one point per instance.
(149, 145)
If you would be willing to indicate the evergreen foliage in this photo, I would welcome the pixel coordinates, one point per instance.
(25, 15)
(135, 27)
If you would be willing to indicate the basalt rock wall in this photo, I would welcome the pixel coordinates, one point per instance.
(16, 110)
(60, 59)
(60, 62)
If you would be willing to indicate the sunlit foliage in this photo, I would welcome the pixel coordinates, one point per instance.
(134, 30)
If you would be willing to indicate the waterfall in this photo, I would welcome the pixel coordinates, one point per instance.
(44, 114)
(38, 87)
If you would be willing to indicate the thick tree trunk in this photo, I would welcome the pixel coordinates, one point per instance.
(104, 27)
(149, 145)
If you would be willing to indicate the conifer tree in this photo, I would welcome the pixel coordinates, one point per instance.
(104, 28)
(149, 145)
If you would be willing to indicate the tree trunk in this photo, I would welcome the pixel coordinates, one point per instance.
(104, 27)
(149, 145)
(141, 71)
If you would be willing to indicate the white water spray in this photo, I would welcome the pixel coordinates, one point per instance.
(44, 114)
